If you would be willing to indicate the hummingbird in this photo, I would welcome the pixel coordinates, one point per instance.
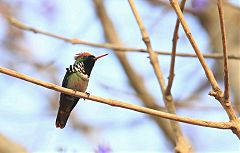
(76, 78)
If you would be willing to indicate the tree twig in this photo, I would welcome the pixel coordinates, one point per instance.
(207, 70)
(152, 55)
(135, 80)
(219, 125)
(225, 53)
(118, 48)
(217, 92)
(174, 48)
(182, 145)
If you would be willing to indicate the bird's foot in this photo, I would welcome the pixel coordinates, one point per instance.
(88, 94)
(75, 91)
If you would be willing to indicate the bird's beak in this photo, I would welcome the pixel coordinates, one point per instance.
(100, 56)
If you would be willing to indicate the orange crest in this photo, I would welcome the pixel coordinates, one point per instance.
(84, 54)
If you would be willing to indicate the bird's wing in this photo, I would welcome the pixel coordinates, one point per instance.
(66, 77)
(67, 102)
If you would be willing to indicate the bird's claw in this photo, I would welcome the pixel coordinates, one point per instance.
(75, 91)
(88, 94)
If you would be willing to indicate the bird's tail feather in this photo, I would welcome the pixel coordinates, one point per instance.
(67, 103)
(62, 118)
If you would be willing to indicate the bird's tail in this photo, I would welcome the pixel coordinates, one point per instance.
(67, 103)
(62, 118)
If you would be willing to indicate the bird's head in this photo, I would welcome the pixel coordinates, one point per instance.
(87, 61)
(85, 56)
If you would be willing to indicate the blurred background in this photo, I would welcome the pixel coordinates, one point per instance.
(28, 112)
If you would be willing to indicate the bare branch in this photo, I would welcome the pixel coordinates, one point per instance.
(135, 80)
(182, 145)
(174, 48)
(152, 55)
(219, 125)
(207, 70)
(115, 47)
(217, 93)
(225, 53)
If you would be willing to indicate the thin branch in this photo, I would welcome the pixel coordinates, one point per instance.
(219, 125)
(217, 93)
(118, 48)
(152, 55)
(174, 48)
(135, 80)
(182, 145)
(225, 53)
(207, 70)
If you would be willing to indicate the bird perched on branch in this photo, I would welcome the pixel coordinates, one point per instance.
(76, 78)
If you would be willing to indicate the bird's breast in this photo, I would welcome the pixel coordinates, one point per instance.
(78, 81)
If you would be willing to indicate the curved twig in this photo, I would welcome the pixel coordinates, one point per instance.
(219, 125)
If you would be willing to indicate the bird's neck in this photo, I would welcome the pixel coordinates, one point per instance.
(84, 67)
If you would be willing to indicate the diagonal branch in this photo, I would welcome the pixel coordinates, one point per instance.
(217, 92)
(115, 47)
(182, 145)
(135, 80)
(207, 70)
(152, 55)
(116, 103)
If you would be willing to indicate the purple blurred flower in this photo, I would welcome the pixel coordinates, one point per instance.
(103, 149)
